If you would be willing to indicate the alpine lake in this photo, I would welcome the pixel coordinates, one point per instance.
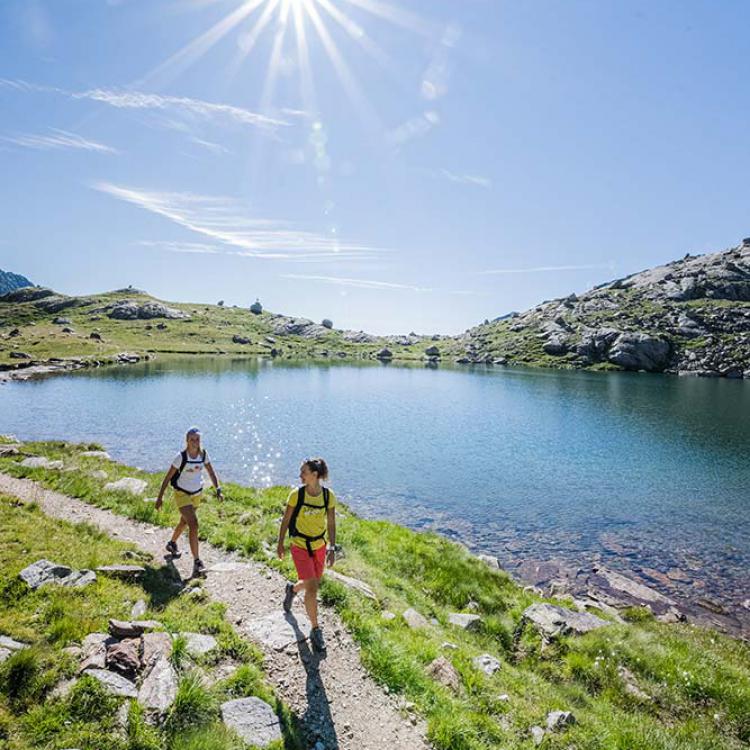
(553, 472)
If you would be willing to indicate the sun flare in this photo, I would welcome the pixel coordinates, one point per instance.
(293, 26)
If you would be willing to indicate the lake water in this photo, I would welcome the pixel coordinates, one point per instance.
(649, 472)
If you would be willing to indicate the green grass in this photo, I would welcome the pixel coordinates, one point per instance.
(698, 680)
(53, 618)
(209, 330)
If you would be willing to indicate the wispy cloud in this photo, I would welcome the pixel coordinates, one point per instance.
(140, 100)
(467, 179)
(57, 139)
(194, 248)
(358, 283)
(546, 269)
(175, 105)
(226, 222)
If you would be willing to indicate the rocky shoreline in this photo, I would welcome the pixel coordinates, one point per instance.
(59, 366)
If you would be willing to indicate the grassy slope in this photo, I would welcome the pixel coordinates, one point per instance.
(209, 331)
(699, 681)
(52, 618)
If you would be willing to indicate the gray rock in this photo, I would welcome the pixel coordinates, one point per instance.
(159, 687)
(278, 630)
(124, 572)
(131, 628)
(115, 683)
(94, 651)
(486, 663)
(490, 560)
(40, 462)
(327, 323)
(557, 720)
(639, 351)
(127, 484)
(388, 616)
(442, 671)
(10, 644)
(384, 354)
(124, 656)
(43, 572)
(253, 720)
(236, 339)
(139, 609)
(155, 646)
(99, 474)
(96, 454)
(414, 620)
(465, 621)
(537, 734)
(352, 583)
(432, 351)
(198, 643)
(552, 620)
(19, 355)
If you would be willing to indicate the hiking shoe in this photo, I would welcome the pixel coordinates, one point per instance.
(288, 596)
(317, 641)
(172, 548)
(199, 568)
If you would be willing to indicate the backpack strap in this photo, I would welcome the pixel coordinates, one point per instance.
(176, 475)
(293, 531)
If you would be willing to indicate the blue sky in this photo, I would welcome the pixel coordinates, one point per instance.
(390, 164)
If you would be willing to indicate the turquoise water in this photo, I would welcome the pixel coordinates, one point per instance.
(520, 463)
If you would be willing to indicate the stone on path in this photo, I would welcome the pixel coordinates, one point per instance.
(486, 663)
(159, 688)
(43, 572)
(115, 683)
(253, 720)
(128, 484)
(553, 620)
(465, 621)
(96, 454)
(557, 720)
(126, 572)
(40, 462)
(352, 583)
(277, 630)
(442, 671)
(227, 567)
(198, 643)
(414, 620)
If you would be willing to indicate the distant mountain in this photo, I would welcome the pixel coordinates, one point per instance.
(10, 281)
(690, 316)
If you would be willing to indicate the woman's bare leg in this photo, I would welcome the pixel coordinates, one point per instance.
(191, 521)
(181, 526)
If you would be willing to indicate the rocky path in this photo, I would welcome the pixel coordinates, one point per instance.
(338, 704)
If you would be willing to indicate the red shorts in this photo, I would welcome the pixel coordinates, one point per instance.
(309, 567)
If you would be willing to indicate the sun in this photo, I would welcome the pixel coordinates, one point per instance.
(291, 24)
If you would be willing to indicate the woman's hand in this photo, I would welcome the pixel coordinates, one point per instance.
(281, 551)
(331, 558)
(219, 493)
(159, 502)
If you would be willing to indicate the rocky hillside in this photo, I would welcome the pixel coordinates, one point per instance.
(10, 281)
(691, 316)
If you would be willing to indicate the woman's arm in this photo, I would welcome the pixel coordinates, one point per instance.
(160, 498)
(215, 481)
(280, 550)
(331, 556)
